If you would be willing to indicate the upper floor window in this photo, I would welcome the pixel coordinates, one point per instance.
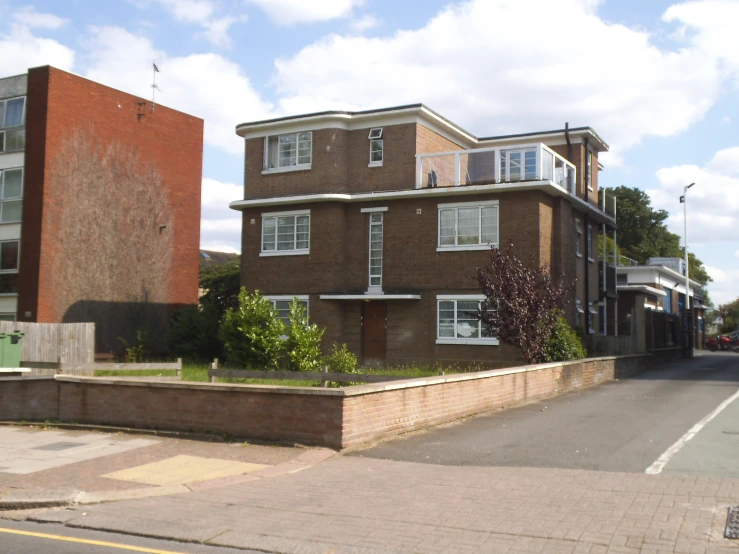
(12, 112)
(518, 165)
(376, 146)
(11, 195)
(588, 169)
(468, 226)
(578, 237)
(281, 305)
(291, 151)
(590, 243)
(9, 262)
(286, 233)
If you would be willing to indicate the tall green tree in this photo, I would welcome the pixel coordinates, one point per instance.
(730, 314)
(643, 234)
(222, 284)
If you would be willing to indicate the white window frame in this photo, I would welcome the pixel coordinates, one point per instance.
(14, 198)
(579, 310)
(5, 111)
(588, 169)
(589, 245)
(484, 341)
(456, 206)
(591, 312)
(273, 299)
(294, 251)
(375, 136)
(375, 288)
(266, 169)
(505, 163)
(11, 271)
(578, 238)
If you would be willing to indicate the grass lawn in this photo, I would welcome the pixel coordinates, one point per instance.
(199, 373)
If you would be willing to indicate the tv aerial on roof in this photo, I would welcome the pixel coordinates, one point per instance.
(154, 86)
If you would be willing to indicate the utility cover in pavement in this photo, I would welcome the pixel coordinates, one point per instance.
(732, 523)
(59, 446)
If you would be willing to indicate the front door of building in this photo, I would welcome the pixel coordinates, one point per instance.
(374, 317)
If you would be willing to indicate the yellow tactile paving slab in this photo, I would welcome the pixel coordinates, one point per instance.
(179, 470)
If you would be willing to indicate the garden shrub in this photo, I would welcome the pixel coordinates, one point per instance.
(564, 344)
(340, 360)
(252, 334)
(303, 345)
(193, 333)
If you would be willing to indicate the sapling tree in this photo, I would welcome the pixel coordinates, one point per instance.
(521, 302)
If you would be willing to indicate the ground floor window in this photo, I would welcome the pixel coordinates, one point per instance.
(457, 321)
(282, 305)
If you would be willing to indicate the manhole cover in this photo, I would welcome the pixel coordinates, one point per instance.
(58, 446)
(732, 523)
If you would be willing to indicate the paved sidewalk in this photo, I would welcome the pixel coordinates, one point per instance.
(48, 467)
(352, 505)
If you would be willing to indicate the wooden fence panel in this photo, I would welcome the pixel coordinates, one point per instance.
(54, 342)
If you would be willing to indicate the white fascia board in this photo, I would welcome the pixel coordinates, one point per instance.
(641, 288)
(674, 276)
(302, 297)
(370, 297)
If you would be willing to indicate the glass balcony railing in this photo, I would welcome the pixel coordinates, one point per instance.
(483, 166)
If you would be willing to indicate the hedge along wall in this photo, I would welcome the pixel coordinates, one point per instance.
(335, 418)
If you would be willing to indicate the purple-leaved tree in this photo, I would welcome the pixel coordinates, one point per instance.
(521, 302)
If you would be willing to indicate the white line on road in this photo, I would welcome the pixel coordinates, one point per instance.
(662, 461)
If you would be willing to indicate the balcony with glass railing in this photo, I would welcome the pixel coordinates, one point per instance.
(484, 166)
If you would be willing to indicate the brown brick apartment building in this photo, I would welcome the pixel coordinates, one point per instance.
(377, 220)
(100, 210)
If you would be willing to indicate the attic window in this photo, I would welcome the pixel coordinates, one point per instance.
(205, 255)
(375, 133)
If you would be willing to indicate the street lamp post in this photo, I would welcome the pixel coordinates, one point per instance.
(684, 202)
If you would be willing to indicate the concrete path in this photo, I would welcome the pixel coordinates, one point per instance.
(352, 505)
(619, 426)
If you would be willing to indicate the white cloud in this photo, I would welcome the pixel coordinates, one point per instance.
(206, 85)
(364, 23)
(291, 12)
(21, 49)
(28, 16)
(202, 13)
(713, 203)
(220, 226)
(474, 64)
(723, 288)
(736, 253)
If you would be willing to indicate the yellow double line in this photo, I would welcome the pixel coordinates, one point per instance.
(87, 541)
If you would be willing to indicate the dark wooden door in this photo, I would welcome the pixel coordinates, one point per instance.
(373, 331)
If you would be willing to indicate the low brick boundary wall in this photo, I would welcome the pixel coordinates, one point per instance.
(336, 418)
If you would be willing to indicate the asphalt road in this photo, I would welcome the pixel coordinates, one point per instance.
(40, 538)
(619, 426)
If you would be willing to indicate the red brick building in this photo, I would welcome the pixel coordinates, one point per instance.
(58, 123)
(377, 220)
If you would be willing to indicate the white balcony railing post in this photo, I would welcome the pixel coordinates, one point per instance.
(496, 167)
(457, 169)
(539, 162)
(419, 170)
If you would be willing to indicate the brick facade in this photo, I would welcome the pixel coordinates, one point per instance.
(540, 225)
(60, 104)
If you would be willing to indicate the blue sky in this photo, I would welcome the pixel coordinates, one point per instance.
(658, 80)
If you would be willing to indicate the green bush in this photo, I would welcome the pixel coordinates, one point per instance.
(193, 333)
(136, 353)
(564, 344)
(252, 334)
(341, 360)
(303, 345)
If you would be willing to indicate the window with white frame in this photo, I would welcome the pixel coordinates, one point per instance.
(588, 169)
(375, 250)
(518, 165)
(11, 195)
(9, 263)
(458, 322)
(286, 233)
(376, 146)
(592, 314)
(281, 305)
(290, 151)
(12, 119)
(578, 237)
(589, 245)
(579, 311)
(468, 226)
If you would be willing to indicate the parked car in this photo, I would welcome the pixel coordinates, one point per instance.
(720, 342)
(734, 341)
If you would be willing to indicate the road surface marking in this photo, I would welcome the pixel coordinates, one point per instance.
(88, 541)
(662, 461)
